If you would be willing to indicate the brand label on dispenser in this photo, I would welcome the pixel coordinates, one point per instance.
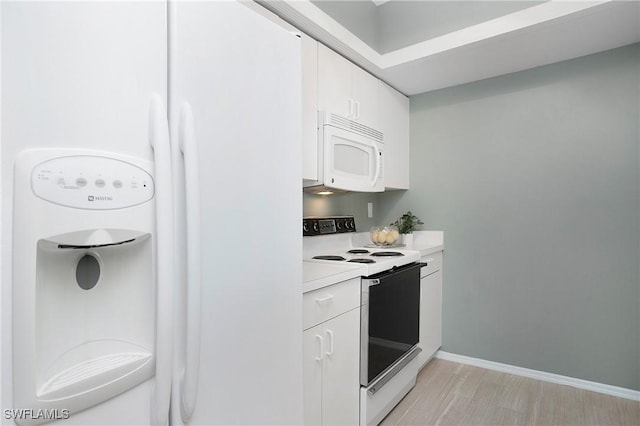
(91, 182)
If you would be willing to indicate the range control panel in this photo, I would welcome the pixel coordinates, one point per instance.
(91, 182)
(327, 225)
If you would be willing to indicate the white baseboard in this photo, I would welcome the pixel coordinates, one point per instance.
(541, 375)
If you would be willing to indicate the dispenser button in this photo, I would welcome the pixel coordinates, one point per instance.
(100, 183)
(81, 182)
(117, 184)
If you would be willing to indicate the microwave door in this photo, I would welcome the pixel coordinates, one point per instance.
(352, 162)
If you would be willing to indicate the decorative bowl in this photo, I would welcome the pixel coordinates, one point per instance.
(384, 235)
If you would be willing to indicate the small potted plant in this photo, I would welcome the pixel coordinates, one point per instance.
(406, 224)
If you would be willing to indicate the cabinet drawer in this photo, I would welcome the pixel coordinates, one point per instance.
(328, 302)
(434, 263)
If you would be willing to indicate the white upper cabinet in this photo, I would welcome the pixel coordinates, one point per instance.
(309, 108)
(394, 124)
(334, 82)
(345, 89)
(365, 96)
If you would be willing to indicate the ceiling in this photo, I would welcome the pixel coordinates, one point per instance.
(424, 45)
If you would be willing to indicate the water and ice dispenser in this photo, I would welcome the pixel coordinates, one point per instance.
(83, 277)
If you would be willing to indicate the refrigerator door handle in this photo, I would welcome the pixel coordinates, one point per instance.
(159, 141)
(188, 147)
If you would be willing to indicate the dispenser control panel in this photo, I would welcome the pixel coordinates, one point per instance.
(91, 182)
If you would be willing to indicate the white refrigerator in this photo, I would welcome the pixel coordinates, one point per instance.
(151, 203)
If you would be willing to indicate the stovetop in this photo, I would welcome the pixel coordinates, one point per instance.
(373, 260)
(329, 240)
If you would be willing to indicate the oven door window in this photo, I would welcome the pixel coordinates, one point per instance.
(394, 319)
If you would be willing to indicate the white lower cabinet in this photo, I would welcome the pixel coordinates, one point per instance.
(430, 307)
(331, 371)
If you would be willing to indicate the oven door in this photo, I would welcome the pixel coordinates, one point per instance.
(352, 162)
(390, 323)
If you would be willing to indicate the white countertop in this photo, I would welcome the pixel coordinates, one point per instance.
(428, 242)
(316, 275)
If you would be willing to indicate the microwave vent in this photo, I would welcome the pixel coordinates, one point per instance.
(354, 126)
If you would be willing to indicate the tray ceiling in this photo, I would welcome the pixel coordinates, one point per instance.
(509, 38)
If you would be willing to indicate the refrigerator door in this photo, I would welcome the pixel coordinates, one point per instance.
(77, 75)
(235, 125)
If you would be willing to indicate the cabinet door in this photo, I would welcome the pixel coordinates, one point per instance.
(365, 95)
(309, 107)
(341, 372)
(312, 375)
(334, 83)
(394, 122)
(430, 314)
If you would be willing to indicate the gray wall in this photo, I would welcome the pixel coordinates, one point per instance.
(348, 204)
(535, 179)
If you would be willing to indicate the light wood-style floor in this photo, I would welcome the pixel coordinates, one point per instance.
(448, 393)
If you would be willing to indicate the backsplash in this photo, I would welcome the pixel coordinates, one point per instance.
(353, 204)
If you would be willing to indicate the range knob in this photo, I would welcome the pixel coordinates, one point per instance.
(316, 228)
(305, 227)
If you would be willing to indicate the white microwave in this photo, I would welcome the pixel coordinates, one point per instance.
(351, 156)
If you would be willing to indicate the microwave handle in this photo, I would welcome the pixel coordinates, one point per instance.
(378, 164)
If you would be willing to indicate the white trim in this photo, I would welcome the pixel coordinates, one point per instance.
(541, 375)
(503, 25)
(525, 18)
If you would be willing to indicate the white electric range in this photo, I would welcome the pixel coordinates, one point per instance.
(390, 283)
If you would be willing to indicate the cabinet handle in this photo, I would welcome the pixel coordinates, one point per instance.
(350, 115)
(319, 339)
(357, 110)
(324, 299)
(330, 351)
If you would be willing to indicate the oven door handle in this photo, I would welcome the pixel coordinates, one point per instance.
(371, 282)
(399, 365)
